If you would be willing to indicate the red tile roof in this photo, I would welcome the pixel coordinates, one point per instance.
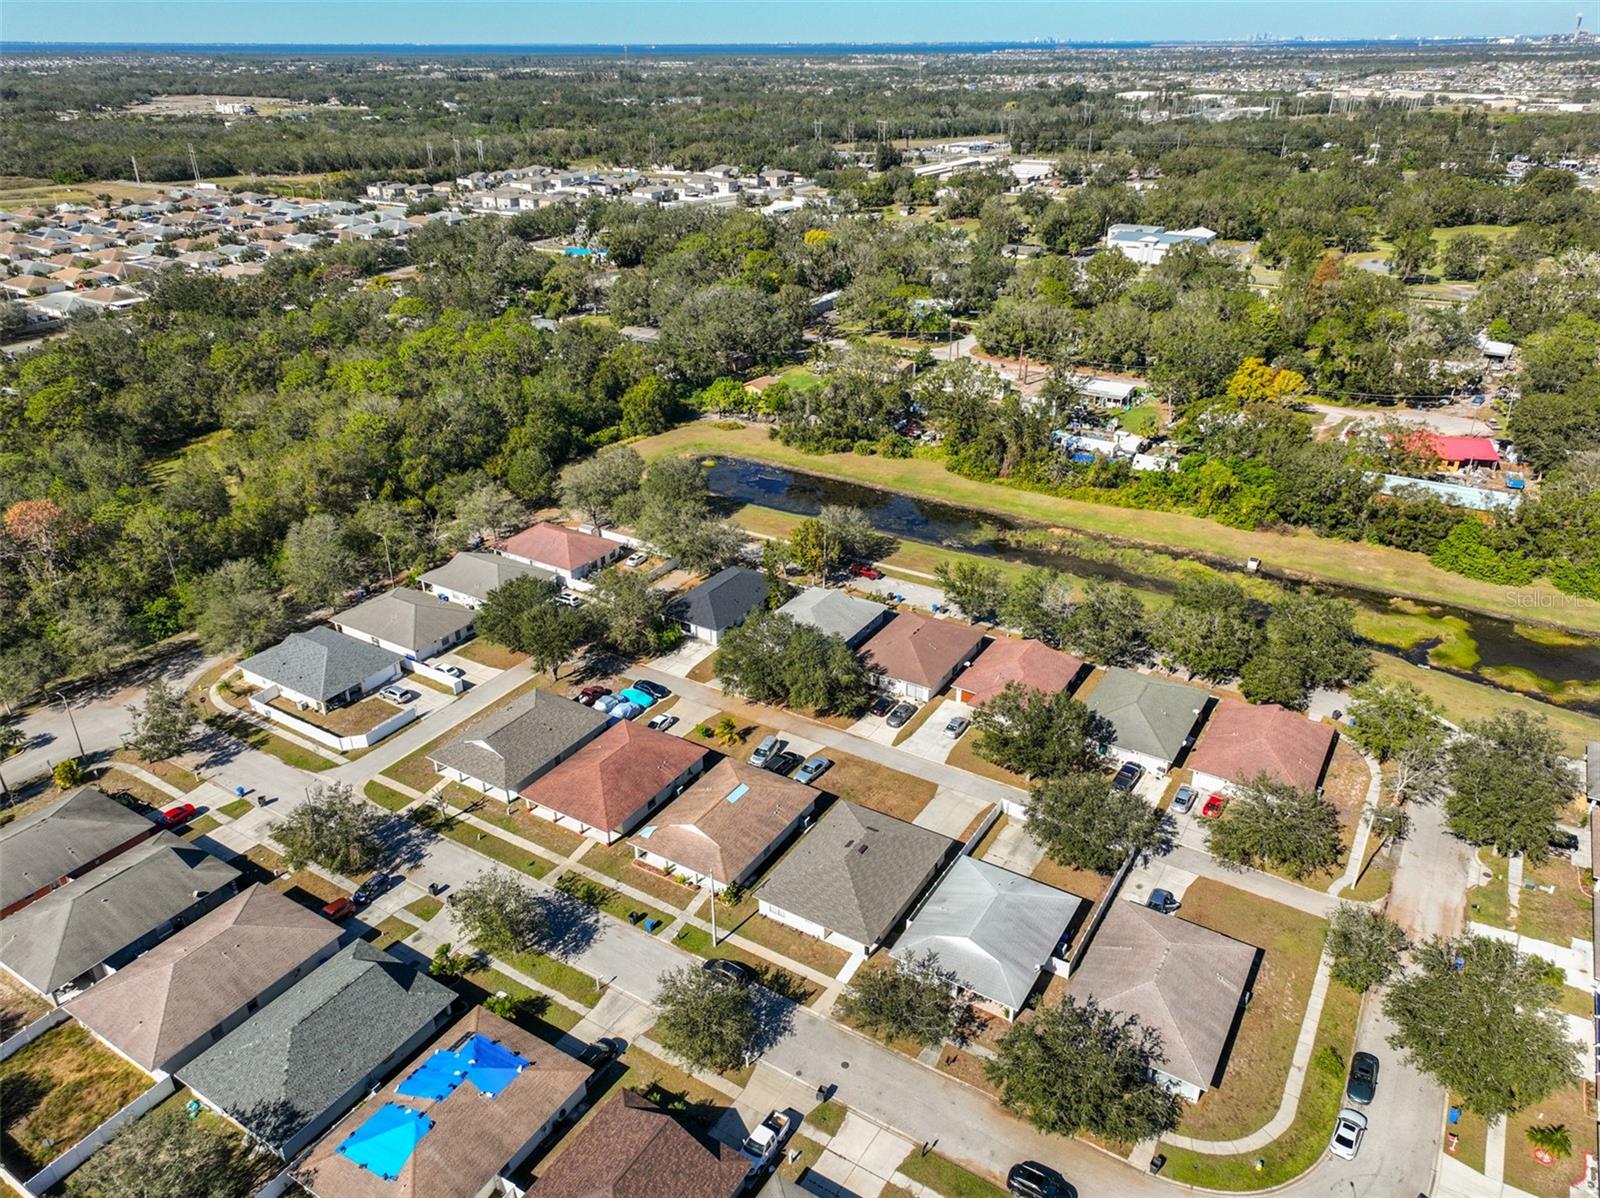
(1242, 740)
(614, 775)
(552, 545)
(1031, 663)
(919, 649)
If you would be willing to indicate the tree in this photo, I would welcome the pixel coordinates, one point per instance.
(523, 615)
(482, 511)
(1310, 642)
(317, 562)
(499, 913)
(1078, 1067)
(834, 536)
(977, 589)
(165, 725)
(647, 407)
(594, 487)
(773, 659)
(1363, 947)
(24, 670)
(1256, 382)
(333, 828)
(1275, 823)
(1211, 629)
(1038, 603)
(632, 614)
(1508, 779)
(1412, 254)
(1083, 823)
(168, 1155)
(447, 963)
(69, 773)
(1401, 727)
(1481, 1018)
(1109, 624)
(93, 633)
(237, 609)
(910, 998)
(1464, 256)
(705, 1019)
(1038, 735)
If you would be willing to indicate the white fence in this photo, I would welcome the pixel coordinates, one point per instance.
(433, 674)
(33, 1031)
(69, 1160)
(261, 704)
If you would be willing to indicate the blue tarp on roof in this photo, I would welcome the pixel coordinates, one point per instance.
(384, 1143)
(489, 1066)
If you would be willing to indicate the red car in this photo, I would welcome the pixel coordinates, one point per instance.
(862, 570)
(1213, 807)
(182, 813)
(340, 909)
(589, 694)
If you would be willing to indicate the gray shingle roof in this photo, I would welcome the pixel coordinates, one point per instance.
(509, 747)
(406, 617)
(41, 849)
(280, 1069)
(319, 663)
(996, 929)
(722, 600)
(476, 574)
(856, 872)
(89, 920)
(833, 612)
(1151, 715)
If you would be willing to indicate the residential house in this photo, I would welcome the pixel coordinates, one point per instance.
(288, 1072)
(998, 931)
(853, 877)
(407, 622)
(469, 578)
(1243, 740)
(190, 990)
(1459, 453)
(321, 668)
(74, 936)
(1154, 720)
(610, 784)
(1149, 244)
(503, 750)
(725, 827)
(565, 552)
(720, 602)
(1031, 664)
(836, 613)
(63, 841)
(915, 656)
(1186, 982)
(478, 1102)
(631, 1148)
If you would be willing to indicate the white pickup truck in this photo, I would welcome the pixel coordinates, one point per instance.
(762, 1145)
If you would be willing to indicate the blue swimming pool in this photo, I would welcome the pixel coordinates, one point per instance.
(385, 1141)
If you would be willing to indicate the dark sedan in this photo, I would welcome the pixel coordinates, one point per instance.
(730, 971)
(1030, 1179)
(1363, 1078)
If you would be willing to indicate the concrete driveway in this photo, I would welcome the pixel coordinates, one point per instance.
(929, 740)
(949, 812)
(684, 658)
(476, 672)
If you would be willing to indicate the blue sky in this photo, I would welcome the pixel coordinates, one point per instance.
(643, 22)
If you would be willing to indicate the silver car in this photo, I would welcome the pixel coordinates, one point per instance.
(769, 747)
(956, 727)
(1348, 1133)
(813, 769)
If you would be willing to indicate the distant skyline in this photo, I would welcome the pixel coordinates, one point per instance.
(666, 22)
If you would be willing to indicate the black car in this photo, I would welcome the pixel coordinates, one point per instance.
(785, 763)
(1563, 841)
(1363, 1078)
(730, 971)
(1127, 777)
(1030, 1179)
(602, 1052)
(654, 689)
(881, 706)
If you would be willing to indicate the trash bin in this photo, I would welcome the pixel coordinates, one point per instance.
(1158, 1162)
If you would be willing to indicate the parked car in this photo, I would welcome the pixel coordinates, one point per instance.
(376, 885)
(589, 694)
(662, 723)
(765, 1140)
(569, 599)
(785, 762)
(397, 694)
(1184, 799)
(340, 909)
(639, 697)
(957, 726)
(1163, 901)
(1030, 1179)
(730, 971)
(635, 560)
(1214, 806)
(1363, 1083)
(1348, 1132)
(767, 749)
(654, 689)
(901, 714)
(862, 570)
(1127, 776)
(1563, 841)
(812, 769)
(602, 1052)
(606, 702)
(454, 671)
(625, 709)
(181, 814)
(881, 706)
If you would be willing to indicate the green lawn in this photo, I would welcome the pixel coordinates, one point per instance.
(386, 796)
(389, 932)
(257, 737)
(613, 902)
(697, 940)
(536, 1012)
(487, 843)
(828, 1117)
(236, 808)
(57, 1090)
(944, 1176)
(558, 975)
(617, 861)
(1490, 903)
(196, 828)
(1463, 700)
(425, 908)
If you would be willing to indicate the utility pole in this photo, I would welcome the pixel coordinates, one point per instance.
(136, 178)
(194, 164)
(455, 144)
(816, 129)
(430, 155)
(67, 707)
(883, 130)
(480, 153)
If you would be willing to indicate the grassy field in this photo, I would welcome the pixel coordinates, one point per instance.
(828, 1117)
(386, 796)
(617, 861)
(1299, 554)
(1561, 917)
(1566, 1108)
(564, 979)
(944, 1176)
(494, 847)
(18, 1007)
(876, 786)
(389, 932)
(697, 940)
(57, 1090)
(1463, 701)
(236, 808)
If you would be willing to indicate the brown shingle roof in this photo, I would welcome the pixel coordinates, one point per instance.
(614, 775)
(919, 649)
(631, 1148)
(722, 824)
(473, 1137)
(1030, 663)
(552, 545)
(186, 986)
(1242, 740)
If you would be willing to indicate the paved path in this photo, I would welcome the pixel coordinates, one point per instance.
(1363, 836)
